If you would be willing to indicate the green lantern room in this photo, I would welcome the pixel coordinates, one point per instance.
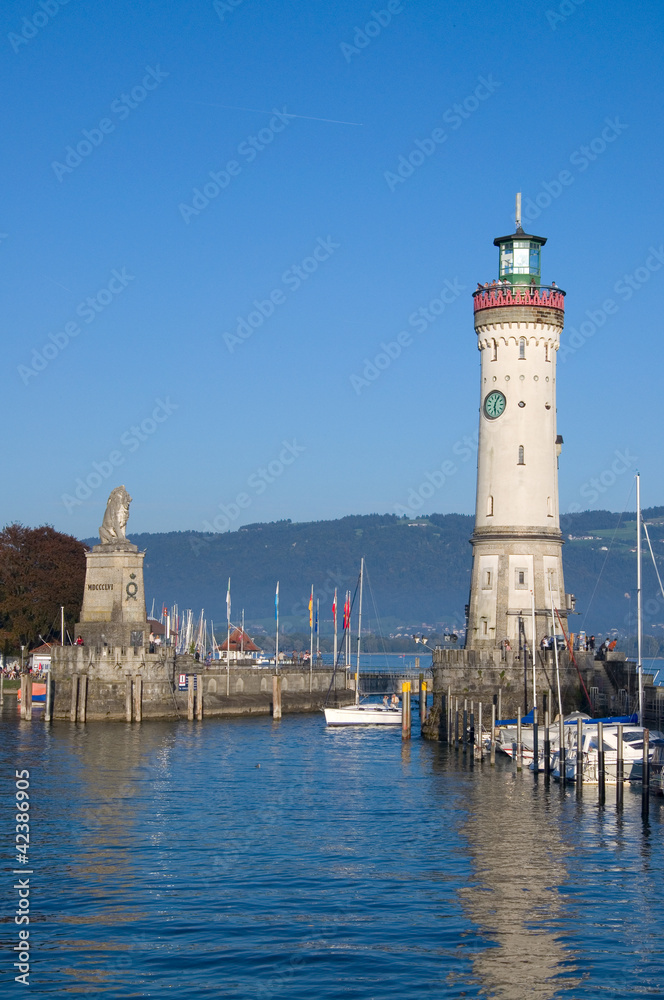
(520, 254)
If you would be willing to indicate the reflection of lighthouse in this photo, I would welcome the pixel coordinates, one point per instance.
(517, 543)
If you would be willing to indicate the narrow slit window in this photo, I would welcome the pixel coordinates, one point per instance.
(487, 580)
(549, 507)
(522, 459)
(485, 627)
(546, 353)
(494, 356)
(489, 506)
(522, 349)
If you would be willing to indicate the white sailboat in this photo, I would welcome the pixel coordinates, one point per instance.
(362, 714)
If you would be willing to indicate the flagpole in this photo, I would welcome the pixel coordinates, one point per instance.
(228, 639)
(276, 615)
(317, 629)
(242, 638)
(311, 643)
(334, 608)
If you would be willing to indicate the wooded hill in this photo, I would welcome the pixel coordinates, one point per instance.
(418, 570)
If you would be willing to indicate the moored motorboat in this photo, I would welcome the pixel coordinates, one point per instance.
(363, 715)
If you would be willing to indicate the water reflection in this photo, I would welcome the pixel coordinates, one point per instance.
(518, 855)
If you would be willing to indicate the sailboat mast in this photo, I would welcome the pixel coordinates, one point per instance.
(639, 624)
(359, 637)
(555, 650)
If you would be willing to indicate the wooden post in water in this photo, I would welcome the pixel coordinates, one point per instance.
(645, 776)
(2, 688)
(601, 776)
(547, 744)
(405, 710)
(562, 763)
(82, 697)
(456, 723)
(423, 701)
(519, 741)
(190, 697)
(480, 742)
(500, 703)
(28, 699)
(48, 708)
(492, 744)
(24, 689)
(138, 698)
(449, 715)
(471, 732)
(464, 731)
(199, 697)
(74, 697)
(620, 772)
(535, 740)
(579, 757)
(276, 696)
(128, 699)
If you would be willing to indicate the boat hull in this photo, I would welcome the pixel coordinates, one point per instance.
(361, 715)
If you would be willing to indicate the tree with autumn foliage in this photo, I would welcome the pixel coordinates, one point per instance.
(40, 570)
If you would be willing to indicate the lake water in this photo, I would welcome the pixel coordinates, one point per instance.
(248, 858)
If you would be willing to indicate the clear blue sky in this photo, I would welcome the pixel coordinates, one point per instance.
(157, 88)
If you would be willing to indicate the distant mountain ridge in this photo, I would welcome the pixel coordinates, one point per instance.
(418, 570)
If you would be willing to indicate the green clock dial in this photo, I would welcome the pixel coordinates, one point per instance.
(494, 404)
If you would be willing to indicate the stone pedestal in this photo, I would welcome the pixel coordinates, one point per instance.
(113, 611)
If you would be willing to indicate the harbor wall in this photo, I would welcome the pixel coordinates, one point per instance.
(128, 684)
(500, 677)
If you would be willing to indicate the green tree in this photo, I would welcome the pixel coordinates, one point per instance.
(40, 570)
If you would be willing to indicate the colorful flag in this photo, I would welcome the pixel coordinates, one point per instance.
(347, 611)
(334, 607)
(276, 603)
(228, 602)
(311, 607)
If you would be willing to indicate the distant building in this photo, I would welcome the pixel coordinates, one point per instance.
(241, 646)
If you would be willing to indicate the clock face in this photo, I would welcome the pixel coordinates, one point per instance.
(494, 404)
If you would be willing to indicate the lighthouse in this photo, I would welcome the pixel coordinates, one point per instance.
(517, 582)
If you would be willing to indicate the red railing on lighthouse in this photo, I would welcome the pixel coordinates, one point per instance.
(519, 295)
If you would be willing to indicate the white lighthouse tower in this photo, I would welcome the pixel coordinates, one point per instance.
(517, 574)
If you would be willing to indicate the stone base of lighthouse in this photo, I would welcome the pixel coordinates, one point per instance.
(509, 565)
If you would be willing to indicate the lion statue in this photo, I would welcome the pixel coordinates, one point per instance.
(115, 517)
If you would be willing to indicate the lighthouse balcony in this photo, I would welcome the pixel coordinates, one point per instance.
(501, 295)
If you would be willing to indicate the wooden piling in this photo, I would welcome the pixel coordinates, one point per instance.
(579, 757)
(500, 703)
(276, 696)
(24, 694)
(199, 697)
(464, 731)
(128, 699)
(2, 688)
(547, 744)
(48, 707)
(82, 697)
(405, 711)
(535, 740)
(471, 728)
(28, 700)
(519, 741)
(645, 776)
(74, 697)
(601, 776)
(492, 744)
(423, 702)
(456, 724)
(620, 769)
(449, 716)
(479, 727)
(190, 697)
(561, 754)
(138, 698)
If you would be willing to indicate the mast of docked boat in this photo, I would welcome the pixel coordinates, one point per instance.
(359, 637)
(532, 598)
(334, 608)
(639, 623)
(555, 650)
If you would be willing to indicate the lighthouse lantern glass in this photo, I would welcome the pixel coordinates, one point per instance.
(520, 257)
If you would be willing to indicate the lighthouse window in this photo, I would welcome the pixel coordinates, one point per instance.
(521, 579)
(546, 353)
(522, 348)
(549, 508)
(522, 460)
(487, 580)
(489, 506)
(521, 257)
(495, 351)
(485, 627)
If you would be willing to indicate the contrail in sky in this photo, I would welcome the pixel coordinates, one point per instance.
(260, 111)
